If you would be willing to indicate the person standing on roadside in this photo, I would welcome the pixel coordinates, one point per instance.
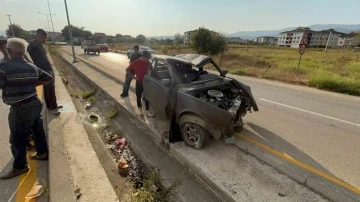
(140, 67)
(39, 56)
(6, 58)
(18, 81)
(136, 55)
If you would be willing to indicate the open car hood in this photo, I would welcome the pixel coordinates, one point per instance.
(195, 59)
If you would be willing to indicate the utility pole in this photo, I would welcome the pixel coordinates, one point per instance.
(70, 33)
(12, 29)
(51, 21)
(327, 43)
(47, 20)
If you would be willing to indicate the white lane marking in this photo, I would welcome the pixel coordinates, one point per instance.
(310, 112)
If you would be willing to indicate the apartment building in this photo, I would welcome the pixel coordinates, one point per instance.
(187, 36)
(266, 39)
(348, 41)
(317, 39)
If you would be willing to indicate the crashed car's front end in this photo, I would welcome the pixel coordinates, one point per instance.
(220, 104)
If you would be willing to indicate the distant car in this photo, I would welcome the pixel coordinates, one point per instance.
(104, 48)
(198, 103)
(141, 49)
(89, 46)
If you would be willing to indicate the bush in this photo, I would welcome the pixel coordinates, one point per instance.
(164, 50)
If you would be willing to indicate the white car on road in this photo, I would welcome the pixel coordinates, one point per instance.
(141, 49)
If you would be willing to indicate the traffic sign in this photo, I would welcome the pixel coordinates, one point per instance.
(302, 49)
(304, 38)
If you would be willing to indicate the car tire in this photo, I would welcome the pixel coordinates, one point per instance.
(239, 126)
(193, 135)
(99, 53)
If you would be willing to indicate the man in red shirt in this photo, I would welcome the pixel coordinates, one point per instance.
(140, 66)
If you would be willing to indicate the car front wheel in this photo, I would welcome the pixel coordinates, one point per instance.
(193, 135)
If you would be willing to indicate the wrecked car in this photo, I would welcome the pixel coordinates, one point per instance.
(200, 104)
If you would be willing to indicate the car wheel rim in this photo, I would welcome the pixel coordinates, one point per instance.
(191, 135)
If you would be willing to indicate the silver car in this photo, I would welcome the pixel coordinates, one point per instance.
(141, 49)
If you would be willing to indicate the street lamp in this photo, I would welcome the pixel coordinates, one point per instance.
(70, 33)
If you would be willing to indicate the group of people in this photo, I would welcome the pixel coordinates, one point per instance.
(19, 78)
(139, 64)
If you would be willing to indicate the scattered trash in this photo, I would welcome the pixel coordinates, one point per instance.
(123, 167)
(281, 194)
(77, 193)
(110, 146)
(82, 100)
(230, 140)
(94, 118)
(36, 191)
(87, 105)
(121, 142)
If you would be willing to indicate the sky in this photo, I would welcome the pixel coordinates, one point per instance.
(167, 17)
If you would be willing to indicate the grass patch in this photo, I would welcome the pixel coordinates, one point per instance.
(111, 114)
(91, 99)
(335, 82)
(153, 191)
(87, 94)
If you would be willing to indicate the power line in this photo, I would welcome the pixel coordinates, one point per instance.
(12, 29)
(52, 23)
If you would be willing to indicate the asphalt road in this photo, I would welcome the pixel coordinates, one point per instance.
(319, 128)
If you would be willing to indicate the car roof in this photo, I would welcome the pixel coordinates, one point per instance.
(193, 59)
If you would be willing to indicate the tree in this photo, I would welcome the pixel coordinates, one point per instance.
(204, 41)
(178, 39)
(140, 39)
(76, 32)
(18, 31)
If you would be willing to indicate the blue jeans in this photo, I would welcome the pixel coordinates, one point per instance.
(23, 119)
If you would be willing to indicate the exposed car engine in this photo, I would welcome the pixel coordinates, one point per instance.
(223, 98)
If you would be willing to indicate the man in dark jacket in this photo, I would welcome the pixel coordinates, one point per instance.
(18, 81)
(136, 55)
(39, 56)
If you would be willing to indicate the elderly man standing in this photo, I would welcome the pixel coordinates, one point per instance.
(18, 81)
(38, 55)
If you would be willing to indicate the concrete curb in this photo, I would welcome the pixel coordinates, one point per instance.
(67, 167)
(161, 141)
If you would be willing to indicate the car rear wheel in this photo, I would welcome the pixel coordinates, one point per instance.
(193, 135)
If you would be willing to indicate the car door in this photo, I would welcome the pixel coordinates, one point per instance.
(155, 92)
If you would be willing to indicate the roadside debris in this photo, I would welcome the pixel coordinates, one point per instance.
(121, 142)
(123, 167)
(230, 140)
(36, 191)
(78, 193)
(281, 194)
(87, 105)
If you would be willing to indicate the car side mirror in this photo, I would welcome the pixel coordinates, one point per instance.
(225, 72)
(166, 82)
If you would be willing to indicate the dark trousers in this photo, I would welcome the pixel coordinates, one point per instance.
(139, 91)
(49, 91)
(127, 83)
(23, 119)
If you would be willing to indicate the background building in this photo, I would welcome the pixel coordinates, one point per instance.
(317, 39)
(187, 37)
(266, 39)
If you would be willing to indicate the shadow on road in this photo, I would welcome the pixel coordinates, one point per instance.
(274, 141)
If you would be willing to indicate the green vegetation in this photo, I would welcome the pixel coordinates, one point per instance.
(111, 114)
(204, 41)
(91, 99)
(87, 94)
(153, 191)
